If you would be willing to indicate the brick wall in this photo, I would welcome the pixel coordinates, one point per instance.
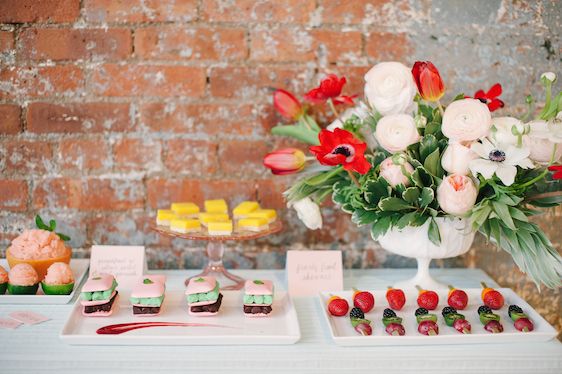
(110, 109)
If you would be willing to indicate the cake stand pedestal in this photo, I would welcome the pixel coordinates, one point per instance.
(215, 251)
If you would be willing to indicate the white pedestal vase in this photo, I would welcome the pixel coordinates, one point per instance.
(456, 239)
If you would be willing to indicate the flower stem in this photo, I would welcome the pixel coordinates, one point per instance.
(333, 108)
(353, 178)
(440, 108)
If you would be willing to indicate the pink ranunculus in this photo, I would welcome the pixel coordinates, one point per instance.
(456, 194)
(396, 132)
(466, 120)
(396, 173)
(456, 158)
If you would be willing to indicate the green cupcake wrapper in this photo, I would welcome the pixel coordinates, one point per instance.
(22, 290)
(3, 287)
(57, 289)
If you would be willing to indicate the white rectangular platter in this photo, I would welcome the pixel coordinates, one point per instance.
(79, 267)
(343, 333)
(280, 328)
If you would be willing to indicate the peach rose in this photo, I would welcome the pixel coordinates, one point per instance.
(456, 194)
(396, 132)
(396, 173)
(466, 120)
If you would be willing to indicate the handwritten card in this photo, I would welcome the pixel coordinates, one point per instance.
(309, 272)
(28, 317)
(126, 263)
(8, 323)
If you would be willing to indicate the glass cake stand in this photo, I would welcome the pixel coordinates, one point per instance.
(215, 251)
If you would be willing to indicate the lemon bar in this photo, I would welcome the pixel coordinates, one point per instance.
(269, 214)
(164, 216)
(205, 218)
(184, 226)
(244, 208)
(185, 209)
(216, 206)
(220, 228)
(253, 224)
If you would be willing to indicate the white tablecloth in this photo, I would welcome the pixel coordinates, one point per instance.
(37, 349)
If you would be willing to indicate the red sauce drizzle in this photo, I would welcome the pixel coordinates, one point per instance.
(121, 328)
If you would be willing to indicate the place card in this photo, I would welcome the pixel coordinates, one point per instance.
(309, 272)
(28, 317)
(126, 263)
(8, 323)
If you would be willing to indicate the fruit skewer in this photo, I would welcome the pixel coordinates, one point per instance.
(396, 298)
(359, 323)
(427, 299)
(363, 300)
(457, 299)
(490, 320)
(491, 298)
(392, 323)
(520, 320)
(427, 323)
(456, 320)
(337, 306)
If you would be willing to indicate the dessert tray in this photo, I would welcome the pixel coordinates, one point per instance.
(228, 327)
(79, 267)
(343, 333)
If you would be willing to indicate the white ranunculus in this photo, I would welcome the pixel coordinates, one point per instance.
(466, 120)
(396, 173)
(396, 132)
(390, 88)
(456, 158)
(541, 141)
(456, 194)
(551, 130)
(502, 129)
(308, 212)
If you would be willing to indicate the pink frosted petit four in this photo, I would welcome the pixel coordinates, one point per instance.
(258, 297)
(203, 296)
(148, 295)
(98, 295)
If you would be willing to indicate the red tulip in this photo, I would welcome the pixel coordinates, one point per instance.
(287, 104)
(490, 98)
(429, 82)
(285, 161)
(341, 148)
(557, 169)
(329, 88)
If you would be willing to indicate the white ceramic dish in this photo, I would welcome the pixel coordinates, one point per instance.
(79, 267)
(343, 333)
(280, 328)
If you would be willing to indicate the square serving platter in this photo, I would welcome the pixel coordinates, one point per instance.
(280, 328)
(79, 267)
(343, 333)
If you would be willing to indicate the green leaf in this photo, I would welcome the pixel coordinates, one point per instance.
(433, 128)
(458, 97)
(299, 132)
(40, 224)
(422, 178)
(433, 164)
(495, 231)
(380, 227)
(517, 214)
(375, 190)
(393, 204)
(427, 146)
(411, 195)
(406, 220)
(426, 111)
(321, 178)
(546, 202)
(364, 217)
(63, 237)
(52, 225)
(427, 197)
(503, 213)
(433, 232)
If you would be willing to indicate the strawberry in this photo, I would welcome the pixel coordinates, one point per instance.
(396, 298)
(427, 299)
(363, 300)
(337, 306)
(491, 297)
(457, 299)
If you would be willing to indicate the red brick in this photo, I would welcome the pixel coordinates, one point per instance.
(270, 191)
(337, 46)
(6, 41)
(382, 46)
(84, 155)
(191, 157)
(118, 228)
(78, 118)
(242, 157)
(171, 42)
(162, 192)
(13, 195)
(102, 11)
(89, 194)
(363, 11)
(10, 119)
(355, 78)
(148, 80)
(64, 44)
(41, 81)
(20, 11)
(32, 157)
(232, 190)
(136, 154)
(285, 11)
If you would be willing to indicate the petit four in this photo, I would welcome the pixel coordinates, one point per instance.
(219, 228)
(3, 280)
(244, 208)
(337, 306)
(392, 323)
(187, 210)
(396, 298)
(164, 216)
(454, 319)
(23, 280)
(205, 218)
(258, 297)
(203, 296)
(269, 214)
(148, 295)
(253, 224)
(359, 322)
(363, 300)
(98, 295)
(59, 280)
(216, 206)
(185, 225)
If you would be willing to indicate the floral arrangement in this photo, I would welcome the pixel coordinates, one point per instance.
(402, 158)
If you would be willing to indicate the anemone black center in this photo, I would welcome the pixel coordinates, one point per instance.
(482, 100)
(341, 150)
(497, 155)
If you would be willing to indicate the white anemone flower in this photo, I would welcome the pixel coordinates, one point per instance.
(499, 159)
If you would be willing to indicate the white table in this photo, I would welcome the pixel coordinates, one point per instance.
(34, 349)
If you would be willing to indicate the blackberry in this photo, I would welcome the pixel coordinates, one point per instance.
(421, 311)
(388, 313)
(448, 310)
(484, 309)
(514, 309)
(356, 313)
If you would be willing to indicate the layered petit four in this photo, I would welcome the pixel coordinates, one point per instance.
(253, 224)
(258, 297)
(205, 218)
(98, 295)
(23, 280)
(203, 296)
(185, 225)
(148, 295)
(216, 206)
(59, 280)
(220, 228)
(3, 280)
(244, 208)
(186, 210)
(269, 214)
(164, 217)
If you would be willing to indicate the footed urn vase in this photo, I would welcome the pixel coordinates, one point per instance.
(456, 239)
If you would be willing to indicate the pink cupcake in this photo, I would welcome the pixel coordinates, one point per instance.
(3, 280)
(59, 280)
(23, 280)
